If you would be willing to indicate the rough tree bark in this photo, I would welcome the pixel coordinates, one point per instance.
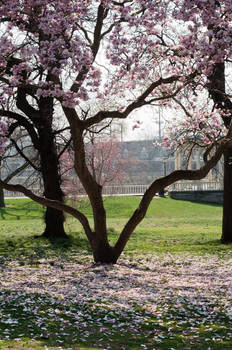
(38, 123)
(217, 91)
(54, 219)
(226, 236)
(101, 248)
(49, 164)
(2, 202)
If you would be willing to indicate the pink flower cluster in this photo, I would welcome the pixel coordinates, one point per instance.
(208, 35)
(62, 39)
(79, 51)
(193, 125)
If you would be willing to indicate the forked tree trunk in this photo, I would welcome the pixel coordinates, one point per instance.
(103, 253)
(227, 202)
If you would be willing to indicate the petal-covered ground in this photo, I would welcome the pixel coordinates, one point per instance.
(168, 302)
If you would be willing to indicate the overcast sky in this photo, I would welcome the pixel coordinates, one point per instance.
(148, 128)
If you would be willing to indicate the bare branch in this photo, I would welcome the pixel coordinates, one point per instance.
(141, 101)
(16, 172)
(85, 34)
(67, 145)
(24, 156)
(52, 204)
(95, 46)
(24, 123)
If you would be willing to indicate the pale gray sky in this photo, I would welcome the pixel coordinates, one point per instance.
(148, 128)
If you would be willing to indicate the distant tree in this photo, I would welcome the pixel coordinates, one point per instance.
(104, 159)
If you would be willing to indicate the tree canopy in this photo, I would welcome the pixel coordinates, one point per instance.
(61, 57)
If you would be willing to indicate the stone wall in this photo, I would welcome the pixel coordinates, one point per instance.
(199, 196)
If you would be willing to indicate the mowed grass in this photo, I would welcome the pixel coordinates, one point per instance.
(170, 289)
(169, 226)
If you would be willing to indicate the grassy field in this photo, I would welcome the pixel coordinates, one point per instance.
(171, 289)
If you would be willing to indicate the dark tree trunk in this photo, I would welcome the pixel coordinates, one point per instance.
(103, 253)
(54, 219)
(227, 203)
(2, 202)
(42, 119)
(217, 91)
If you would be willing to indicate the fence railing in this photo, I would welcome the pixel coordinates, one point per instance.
(196, 186)
(125, 190)
(140, 189)
(107, 191)
(12, 194)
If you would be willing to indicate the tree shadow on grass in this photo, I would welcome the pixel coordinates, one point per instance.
(84, 324)
(22, 211)
(6, 214)
(29, 251)
(208, 204)
(216, 244)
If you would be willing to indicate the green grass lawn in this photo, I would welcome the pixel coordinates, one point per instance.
(171, 289)
(169, 226)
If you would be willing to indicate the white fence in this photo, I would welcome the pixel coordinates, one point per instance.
(117, 190)
(11, 194)
(196, 186)
(124, 190)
